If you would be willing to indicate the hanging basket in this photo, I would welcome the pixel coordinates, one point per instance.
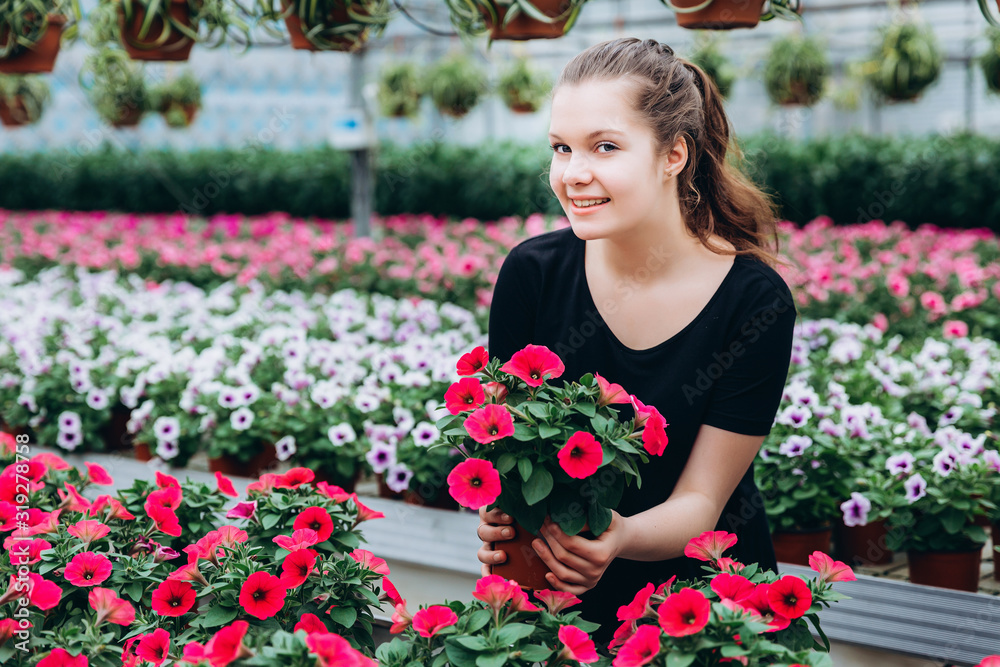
(175, 48)
(41, 58)
(716, 14)
(523, 27)
(338, 16)
(129, 116)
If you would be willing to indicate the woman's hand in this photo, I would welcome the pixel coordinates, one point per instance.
(494, 526)
(577, 563)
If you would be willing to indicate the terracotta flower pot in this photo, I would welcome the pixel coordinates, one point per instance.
(524, 27)
(128, 117)
(338, 16)
(14, 114)
(863, 545)
(142, 452)
(719, 14)
(523, 565)
(349, 486)
(796, 547)
(443, 500)
(40, 59)
(255, 467)
(958, 570)
(176, 48)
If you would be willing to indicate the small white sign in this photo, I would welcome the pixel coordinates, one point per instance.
(351, 131)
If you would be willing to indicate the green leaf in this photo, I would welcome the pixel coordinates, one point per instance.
(512, 632)
(216, 616)
(494, 660)
(474, 643)
(680, 659)
(534, 653)
(538, 486)
(587, 380)
(537, 409)
(269, 521)
(586, 408)
(505, 463)
(478, 620)
(525, 432)
(524, 467)
(458, 655)
(345, 616)
(134, 590)
(545, 431)
(599, 519)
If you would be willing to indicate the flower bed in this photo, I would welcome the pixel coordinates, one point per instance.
(899, 279)
(340, 383)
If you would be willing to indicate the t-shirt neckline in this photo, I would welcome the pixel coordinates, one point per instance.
(581, 261)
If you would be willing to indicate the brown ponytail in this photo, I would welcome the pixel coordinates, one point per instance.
(678, 99)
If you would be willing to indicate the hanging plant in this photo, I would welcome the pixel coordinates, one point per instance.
(906, 62)
(326, 25)
(987, 10)
(116, 87)
(455, 85)
(729, 14)
(990, 61)
(514, 19)
(797, 70)
(713, 62)
(399, 90)
(522, 88)
(31, 32)
(177, 100)
(166, 30)
(22, 99)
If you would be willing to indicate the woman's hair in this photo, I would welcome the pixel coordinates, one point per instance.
(677, 99)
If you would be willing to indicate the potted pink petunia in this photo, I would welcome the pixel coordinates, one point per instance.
(538, 450)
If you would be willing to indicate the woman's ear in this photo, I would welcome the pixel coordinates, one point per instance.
(676, 159)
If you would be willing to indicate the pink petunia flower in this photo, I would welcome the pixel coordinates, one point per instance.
(474, 483)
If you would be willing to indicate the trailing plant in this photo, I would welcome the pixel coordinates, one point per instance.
(475, 17)
(399, 90)
(456, 85)
(990, 60)
(523, 88)
(115, 85)
(329, 25)
(24, 22)
(716, 65)
(25, 96)
(796, 71)
(906, 61)
(177, 98)
(223, 20)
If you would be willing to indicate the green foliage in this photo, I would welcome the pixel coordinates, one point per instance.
(116, 85)
(797, 70)
(32, 91)
(456, 85)
(522, 87)
(716, 65)
(399, 90)
(906, 62)
(990, 61)
(945, 180)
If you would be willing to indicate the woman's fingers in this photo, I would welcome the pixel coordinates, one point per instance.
(488, 556)
(488, 533)
(495, 516)
(564, 573)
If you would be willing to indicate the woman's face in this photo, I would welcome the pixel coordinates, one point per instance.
(618, 164)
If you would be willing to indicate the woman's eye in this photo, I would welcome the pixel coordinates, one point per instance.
(555, 147)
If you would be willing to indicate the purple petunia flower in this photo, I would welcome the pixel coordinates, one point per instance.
(945, 461)
(856, 510)
(381, 456)
(70, 422)
(241, 419)
(425, 434)
(397, 477)
(285, 447)
(900, 464)
(916, 488)
(795, 445)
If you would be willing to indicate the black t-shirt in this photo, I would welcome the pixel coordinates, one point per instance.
(727, 369)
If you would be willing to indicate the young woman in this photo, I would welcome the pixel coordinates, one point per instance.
(664, 284)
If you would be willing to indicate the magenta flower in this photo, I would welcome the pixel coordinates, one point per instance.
(474, 483)
(488, 423)
(428, 622)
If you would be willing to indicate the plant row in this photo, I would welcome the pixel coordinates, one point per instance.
(943, 180)
(903, 281)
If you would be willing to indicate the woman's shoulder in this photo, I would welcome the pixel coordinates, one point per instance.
(545, 251)
(759, 285)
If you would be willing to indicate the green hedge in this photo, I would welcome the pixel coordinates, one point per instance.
(950, 181)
